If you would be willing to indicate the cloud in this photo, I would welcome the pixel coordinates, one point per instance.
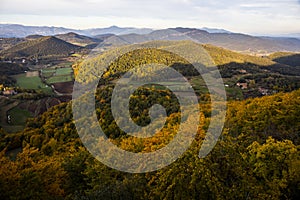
(258, 15)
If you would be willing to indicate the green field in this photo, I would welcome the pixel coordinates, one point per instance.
(63, 65)
(32, 82)
(58, 75)
(64, 71)
(59, 79)
(47, 72)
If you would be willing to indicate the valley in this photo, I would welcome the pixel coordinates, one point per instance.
(40, 81)
(46, 77)
(43, 156)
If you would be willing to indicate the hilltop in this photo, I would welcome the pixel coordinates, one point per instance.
(77, 39)
(41, 47)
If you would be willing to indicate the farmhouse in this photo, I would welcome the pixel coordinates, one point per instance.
(9, 92)
(242, 85)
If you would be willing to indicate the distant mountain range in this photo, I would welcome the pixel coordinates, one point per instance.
(293, 35)
(233, 41)
(116, 36)
(19, 31)
(214, 30)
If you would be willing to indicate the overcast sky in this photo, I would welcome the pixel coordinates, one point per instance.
(253, 16)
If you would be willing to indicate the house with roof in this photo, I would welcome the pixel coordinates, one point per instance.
(242, 85)
(8, 92)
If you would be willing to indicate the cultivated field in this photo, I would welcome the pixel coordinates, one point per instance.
(32, 82)
(57, 75)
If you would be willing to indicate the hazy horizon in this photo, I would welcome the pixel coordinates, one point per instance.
(255, 17)
(288, 34)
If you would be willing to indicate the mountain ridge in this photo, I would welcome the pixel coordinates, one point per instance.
(77, 39)
(41, 47)
(115, 36)
(19, 31)
(233, 41)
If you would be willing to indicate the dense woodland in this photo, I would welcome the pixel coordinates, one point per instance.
(256, 157)
(41, 47)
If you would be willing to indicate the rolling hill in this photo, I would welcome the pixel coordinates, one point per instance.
(42, 47)
(260, 75)
(233, 41)
(77, 39)
(217, 37)
(256, 157)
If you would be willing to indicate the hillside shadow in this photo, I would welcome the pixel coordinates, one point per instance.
(291, 60)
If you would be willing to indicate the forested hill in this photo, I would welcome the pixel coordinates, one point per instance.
(261, 74)
(286, 58)
(208, 53)
(256, 157)
(233, 41)
(41, 47)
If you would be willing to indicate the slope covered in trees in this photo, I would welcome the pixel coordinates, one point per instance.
(42, 47)
(286, 58)
(257, 157)
(260, 75)
(233, 41)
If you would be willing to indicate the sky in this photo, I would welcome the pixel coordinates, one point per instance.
(252, 17)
